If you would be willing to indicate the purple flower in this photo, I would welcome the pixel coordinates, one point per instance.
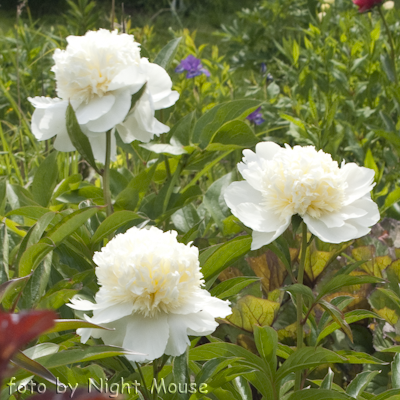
(193, 66)
(256, 117)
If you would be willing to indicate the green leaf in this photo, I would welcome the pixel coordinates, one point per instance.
(396, 372)
(357, 357)
(243, 388)
(392, 198)
(4, 255)
(214, 200)
(31, 212)
(266, 339)
(387, 66)
(350, 317)
(231, 136)
(209, 123)
(12, 286)
(318, 394)
(328, 380)
(32, 257)
(73, 324)
(167, 53)
(297, 289)
(55, 300)
(360, 382)
(181, 375)
(44, 180)
(112, 223)
(232, 287)
(37, 284)
(307, 357)
(223, 255)
(23, 361)
(339, 281)
(70, 224)
(338, 316)
(79, 139)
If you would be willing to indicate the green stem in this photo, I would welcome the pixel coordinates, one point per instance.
(299, 301)
(146, 391)
(391, 42)
(106, 175)
(155, 377)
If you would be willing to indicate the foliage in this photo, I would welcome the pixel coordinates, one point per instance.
(330, 82)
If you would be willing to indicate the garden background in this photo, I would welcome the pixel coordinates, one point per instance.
(308, 73)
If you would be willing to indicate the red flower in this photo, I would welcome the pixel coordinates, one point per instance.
(366, 5)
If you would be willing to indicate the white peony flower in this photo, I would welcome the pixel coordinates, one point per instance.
(98, 73)
(388, 5)
(334, 202)
(150, 292)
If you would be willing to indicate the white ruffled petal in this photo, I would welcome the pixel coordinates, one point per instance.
(267, 150)
(112, 313)
(98, 144)
(63, 142)
(336, 235)
(49, 119)
(93, 110)
(359, 180)
(131, 77)
(261, 239)
(146, 335)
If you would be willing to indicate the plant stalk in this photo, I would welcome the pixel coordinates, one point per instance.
(106, 176)
(299, 301)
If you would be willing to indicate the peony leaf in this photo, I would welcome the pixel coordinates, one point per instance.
(340, 281)
(318, 394)
(232, 135)
(266, 340)
(214, 259)
(167, 53)
(112, 223)
(350, 317)
(32, 212)
(251, 310)
(23, 361)
(396, 371)
(298, 289)
(232, 287)
(338, 316)
(44, 180)
(72, 324)
(360, 382)
(209, 123)
(308, 357)
(79, 139)
(12, 287)
(316, 263)
(270, 269)
(356, 357)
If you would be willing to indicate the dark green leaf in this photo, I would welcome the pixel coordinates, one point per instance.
(45, 179)
(167, 53)
(79, 139)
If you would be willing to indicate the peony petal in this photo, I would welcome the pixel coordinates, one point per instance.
(261, 239)
(267, 150)
(63, 142)
(98, 144)
(131, 77)
(241, 192)
(333, 220)
(166, 102)
(93, 110)
(146, 335)
(159, 83)
(115, 115)
(340, 234)
(359, 181)
(178, 340)
(112, 312)
(370, 208)
(50, 121)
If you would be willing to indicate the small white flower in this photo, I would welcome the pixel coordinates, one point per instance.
(334, 202)
(388, 5)
(150, 292)
(329, 1)
(325, 6)
(98, 73)
(321, 16)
